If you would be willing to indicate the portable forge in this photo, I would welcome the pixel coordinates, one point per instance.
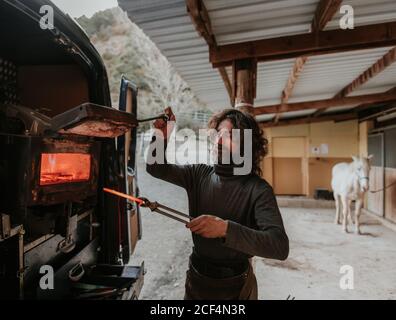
(61, 143)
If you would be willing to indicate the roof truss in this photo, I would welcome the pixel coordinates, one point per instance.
(323, 42)
(388, 59)
(327, 103)
(291, 82)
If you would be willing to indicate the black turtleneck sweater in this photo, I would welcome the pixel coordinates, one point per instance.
(255, 226)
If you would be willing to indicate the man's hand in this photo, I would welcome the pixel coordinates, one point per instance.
(209, 226)
(166, 127)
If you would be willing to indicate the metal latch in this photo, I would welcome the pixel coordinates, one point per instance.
(68, 244)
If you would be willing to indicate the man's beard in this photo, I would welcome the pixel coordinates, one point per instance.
(222, 155)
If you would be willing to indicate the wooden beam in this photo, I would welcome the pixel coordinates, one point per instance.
(385, 111)
(325, 11)
(328, 103)
(380, 65)
(227, 83)
(323, 42)
(304, 120)
(200, 18)
(291, 82)
(365, 106)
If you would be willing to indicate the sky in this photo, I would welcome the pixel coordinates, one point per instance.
(77, 8)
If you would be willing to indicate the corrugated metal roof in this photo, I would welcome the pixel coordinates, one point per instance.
(271, 80)
(324, 76)
(265, 117)
(236, 21)
(339, 109)
(167, 23)
(294, 114)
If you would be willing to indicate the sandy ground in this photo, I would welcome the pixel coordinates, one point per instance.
(318, 249)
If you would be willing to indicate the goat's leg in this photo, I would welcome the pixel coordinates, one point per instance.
(345, 212)
(358, 210)
(338, 208)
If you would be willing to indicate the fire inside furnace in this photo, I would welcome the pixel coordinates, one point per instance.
(59, 168)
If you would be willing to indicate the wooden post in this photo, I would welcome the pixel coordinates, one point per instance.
(244, 84)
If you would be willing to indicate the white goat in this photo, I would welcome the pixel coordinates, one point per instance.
(350, 182)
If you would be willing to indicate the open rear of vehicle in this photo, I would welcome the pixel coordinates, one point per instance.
(61, 142)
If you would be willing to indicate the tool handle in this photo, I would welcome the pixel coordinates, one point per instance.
(154, 207)
(174, 211)
(171, 216)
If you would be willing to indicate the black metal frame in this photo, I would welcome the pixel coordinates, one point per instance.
(74, 43)
(128, 209)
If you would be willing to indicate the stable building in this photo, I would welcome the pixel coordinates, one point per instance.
(321, 93)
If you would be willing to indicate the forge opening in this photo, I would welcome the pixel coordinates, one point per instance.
(61, 168)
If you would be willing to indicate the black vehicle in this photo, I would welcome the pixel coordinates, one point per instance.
(61, 143)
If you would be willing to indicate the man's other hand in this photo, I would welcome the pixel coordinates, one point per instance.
(208, 226)
(166, 127)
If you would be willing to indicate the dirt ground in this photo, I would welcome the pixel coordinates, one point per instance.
(318, 249)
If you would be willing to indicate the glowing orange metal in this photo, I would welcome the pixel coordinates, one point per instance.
(123, 195)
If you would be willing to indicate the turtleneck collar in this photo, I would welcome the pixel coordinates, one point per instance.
(226, 170)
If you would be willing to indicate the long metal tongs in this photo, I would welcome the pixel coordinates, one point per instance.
(154, 207)
(161, 116)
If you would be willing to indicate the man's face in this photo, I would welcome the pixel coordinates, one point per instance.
(230, 149)
(224, 136)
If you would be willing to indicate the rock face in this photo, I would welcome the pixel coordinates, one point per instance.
(126, 50)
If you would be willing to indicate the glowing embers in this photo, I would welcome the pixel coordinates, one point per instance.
(60, 168)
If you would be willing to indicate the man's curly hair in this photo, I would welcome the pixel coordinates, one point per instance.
(242, 120)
